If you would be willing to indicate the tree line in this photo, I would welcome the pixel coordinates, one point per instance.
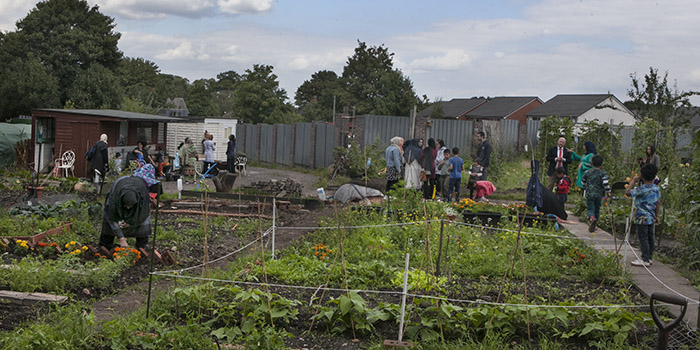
(64, 54)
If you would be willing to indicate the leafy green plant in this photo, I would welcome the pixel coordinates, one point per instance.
(348, 311)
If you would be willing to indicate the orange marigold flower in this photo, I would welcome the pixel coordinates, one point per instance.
(316, 253)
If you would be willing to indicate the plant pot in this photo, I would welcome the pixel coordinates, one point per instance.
(532, 220)
(35, 191)
(484, 218)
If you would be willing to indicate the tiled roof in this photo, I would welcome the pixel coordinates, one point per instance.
(501, 107)
(455, 108)
(568, 105)
(115, 114)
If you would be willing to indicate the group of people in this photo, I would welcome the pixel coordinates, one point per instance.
(595, 185)
(437, 170)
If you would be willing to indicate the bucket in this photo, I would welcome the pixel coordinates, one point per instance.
(321, 193)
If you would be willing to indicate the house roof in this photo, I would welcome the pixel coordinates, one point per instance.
(568, 105)
(111, 113)
(455, 107)
(501, 107)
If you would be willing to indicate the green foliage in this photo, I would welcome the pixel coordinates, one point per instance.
(259, 99)
(654, 99)
(350, 311)
(371, 84)
(315, 97)
(69, 327)
(76, 44)
(551, 129)
(356, 158)
(200, 98)
(648, 132)
(608, 144)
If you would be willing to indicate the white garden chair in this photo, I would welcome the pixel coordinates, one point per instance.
(66, 163)
(241, 165)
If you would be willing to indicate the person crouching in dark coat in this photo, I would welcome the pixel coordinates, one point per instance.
(127, 213)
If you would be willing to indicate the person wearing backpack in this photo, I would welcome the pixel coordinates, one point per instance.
(99, 158)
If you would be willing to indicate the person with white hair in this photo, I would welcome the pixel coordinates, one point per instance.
(394, 159)
(100, 159)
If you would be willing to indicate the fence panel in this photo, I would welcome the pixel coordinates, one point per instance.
(510, 131)
(251, 141)
(267, 142)
(455, 133)
(302, 144)
(240, 138)
(533, 131)
(283, 145)
(324, 144)
(626, 137)
(384, 128)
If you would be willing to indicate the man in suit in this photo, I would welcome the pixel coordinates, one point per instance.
(558, 157)
(483, 154)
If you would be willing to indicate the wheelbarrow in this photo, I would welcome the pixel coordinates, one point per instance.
(665, 328)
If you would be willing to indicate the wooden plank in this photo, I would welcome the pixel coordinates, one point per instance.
(30, 298)
(308, 203)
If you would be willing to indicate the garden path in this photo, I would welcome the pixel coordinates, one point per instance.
(656, 278)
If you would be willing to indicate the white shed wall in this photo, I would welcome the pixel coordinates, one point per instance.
(618, 114)
(219, 128)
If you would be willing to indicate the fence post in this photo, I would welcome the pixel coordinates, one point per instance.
(403, 297)
(442, 227)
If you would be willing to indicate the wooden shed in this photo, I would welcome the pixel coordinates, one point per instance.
(58, 130)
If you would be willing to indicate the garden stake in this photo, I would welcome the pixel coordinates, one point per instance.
(522, 261)
(150, 261)
(403, 297)
(262, 252)
(612, 223)
(345, 271)
(442, 227)
(205, 269)
(274, 212)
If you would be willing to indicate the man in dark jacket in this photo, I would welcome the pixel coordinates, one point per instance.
(557, 156)
(483, 154)
(100, 159)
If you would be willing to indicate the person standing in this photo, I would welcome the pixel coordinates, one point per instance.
(427, 159)
(456, 165)
(439, 158)
(411, 155)
(393, 158)
(127, 213)
(231, 154)
(443, 170)
(189, 157)
(563, 185)
(558, 157)
(586, 161)
(100, 160)
(650, 157)
(596, 185)
(646, 200)
(209, 148)
(483, 153)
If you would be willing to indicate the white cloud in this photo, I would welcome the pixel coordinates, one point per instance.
(13, 10)
(182, 51)
(152, 9)
(451, 60)
(244, 6)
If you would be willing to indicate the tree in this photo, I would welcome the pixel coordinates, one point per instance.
(139, 79)
(372, 86)
(315, 97)
(95, 87)
(224, 92)
(67, 37)
(26, 84)
(654, 99)
(259, 99)
(200, 100)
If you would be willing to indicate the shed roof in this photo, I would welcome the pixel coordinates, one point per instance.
(111, 113)
(455, 107)
(568, 105)
(501, 107)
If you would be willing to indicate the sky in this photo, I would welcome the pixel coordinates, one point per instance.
(449, 49)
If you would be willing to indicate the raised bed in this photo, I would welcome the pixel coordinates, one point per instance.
(485, 218)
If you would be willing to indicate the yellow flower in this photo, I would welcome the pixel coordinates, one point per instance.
(72, 242)
(85, 247)
(687, 165)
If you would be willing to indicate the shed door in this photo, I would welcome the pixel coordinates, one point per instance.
(85, 134)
